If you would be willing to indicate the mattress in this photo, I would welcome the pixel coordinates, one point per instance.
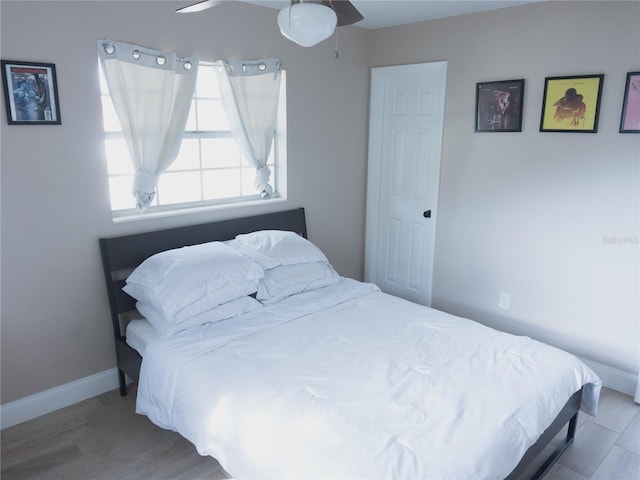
(139, 334)
(349, 382)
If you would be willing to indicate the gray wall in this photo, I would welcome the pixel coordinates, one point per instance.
(55, 201)
(533, 213)
(521, 212)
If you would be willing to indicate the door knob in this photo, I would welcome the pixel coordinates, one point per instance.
(426, 214)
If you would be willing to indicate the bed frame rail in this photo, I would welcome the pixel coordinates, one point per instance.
(568, 416)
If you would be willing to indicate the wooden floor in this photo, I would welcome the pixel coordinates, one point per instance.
(103, 438)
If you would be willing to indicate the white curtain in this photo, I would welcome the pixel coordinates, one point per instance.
(250, 91)
(151, 93)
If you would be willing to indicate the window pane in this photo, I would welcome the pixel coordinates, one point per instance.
(248, 179)
(272, 154)
(188, 157)
(179, 187)
(220, 152)
(109, 116)
(221, 184)
(120, 192)
(211, 116)
(207, 83)
(104, 88)
(118, 157)
(191, 120)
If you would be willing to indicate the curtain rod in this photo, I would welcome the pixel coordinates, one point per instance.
(260, 64)
(110, 49)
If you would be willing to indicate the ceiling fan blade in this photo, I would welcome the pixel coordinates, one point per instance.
(345, 11)
(198, 6)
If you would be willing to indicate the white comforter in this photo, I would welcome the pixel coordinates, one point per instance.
(349, 382)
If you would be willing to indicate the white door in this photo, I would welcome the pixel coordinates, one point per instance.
(405, 146)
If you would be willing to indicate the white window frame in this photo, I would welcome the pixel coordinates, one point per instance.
(278, 167)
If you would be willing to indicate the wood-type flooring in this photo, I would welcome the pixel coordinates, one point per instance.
(103, 438)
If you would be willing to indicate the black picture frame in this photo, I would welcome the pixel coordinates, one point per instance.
(30, 93)
(499, 106)
(571, 104)
(630, 117)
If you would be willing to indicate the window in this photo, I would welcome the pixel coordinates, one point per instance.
(208, 171)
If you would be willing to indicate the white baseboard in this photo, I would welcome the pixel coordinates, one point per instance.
(55, 398)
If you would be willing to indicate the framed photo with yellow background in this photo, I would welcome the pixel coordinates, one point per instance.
(571, 104)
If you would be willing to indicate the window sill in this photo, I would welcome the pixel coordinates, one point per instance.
(125, 216)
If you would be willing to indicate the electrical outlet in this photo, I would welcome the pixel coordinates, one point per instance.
(504, 300)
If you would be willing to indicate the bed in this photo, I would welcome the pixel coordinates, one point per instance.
(330, 377)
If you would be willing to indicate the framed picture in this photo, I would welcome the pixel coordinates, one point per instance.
(499, 106)
(630, 121)
(30, 93)
(571, 104)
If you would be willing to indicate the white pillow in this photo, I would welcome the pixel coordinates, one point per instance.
(166, 328)
(286, 248)
(232, 290)
(262, 260)
(174, 279)
(286, 280)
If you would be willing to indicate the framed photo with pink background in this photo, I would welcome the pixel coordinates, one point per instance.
(630, 121)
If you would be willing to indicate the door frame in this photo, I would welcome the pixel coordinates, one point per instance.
(376, 129)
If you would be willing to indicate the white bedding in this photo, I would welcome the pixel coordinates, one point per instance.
(349, 382)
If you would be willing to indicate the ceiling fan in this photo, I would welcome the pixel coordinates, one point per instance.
(306, 23)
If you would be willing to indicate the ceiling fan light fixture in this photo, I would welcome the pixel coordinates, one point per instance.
(307, 24)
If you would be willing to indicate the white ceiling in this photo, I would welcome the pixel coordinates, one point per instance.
(388, 13)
